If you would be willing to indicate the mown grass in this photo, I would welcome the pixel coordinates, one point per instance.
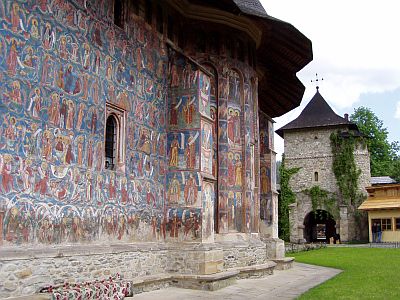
(368, 273)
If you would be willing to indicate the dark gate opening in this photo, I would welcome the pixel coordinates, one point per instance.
(319, 226)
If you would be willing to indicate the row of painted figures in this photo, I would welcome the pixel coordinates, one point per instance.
(29, 223)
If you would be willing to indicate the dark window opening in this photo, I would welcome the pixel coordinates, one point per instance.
(315, 176)
(397, 223)
(111, 142)
(118, 13)
(149, 12)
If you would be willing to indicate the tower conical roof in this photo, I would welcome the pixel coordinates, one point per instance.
(317, 113)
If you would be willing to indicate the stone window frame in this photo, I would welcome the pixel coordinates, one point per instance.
(119, 115)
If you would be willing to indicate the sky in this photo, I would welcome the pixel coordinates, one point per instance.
(356, 50)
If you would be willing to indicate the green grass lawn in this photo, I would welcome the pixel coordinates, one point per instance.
(368, 273)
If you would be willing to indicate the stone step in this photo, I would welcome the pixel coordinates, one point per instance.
(284, 263)
(256, 271)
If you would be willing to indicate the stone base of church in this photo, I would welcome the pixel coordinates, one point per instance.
(25, 271)
(275, 248)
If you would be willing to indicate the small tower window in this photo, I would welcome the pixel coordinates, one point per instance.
(114, 148)
(315, 176)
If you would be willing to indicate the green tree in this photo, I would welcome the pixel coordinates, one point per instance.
(384, 155)
(286, 197)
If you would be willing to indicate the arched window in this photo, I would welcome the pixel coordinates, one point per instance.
(315, 176)
(111, 142)
(114, 148)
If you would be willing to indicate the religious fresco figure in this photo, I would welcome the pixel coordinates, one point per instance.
(190, 191)
(15, 93)
(41, 186)
(190, 152)
(79, 120)
(35, 104)
(62, 48)
(89, 154)
(189, 110)
(7, 184)
(173, 116)
(238, 171)
(175, 224)
(54, 109)
(70, 115)
(265, 181)
(80, 150)
(174, 152)
(34, 31)
(48, 37)
(47, 147)
(174, 191)
(16, 17)
(86, 56)
(144, 141)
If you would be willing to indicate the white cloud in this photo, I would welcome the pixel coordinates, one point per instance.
(355, 49)
(354, 45)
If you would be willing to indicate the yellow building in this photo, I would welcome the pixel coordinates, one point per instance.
(383, 207)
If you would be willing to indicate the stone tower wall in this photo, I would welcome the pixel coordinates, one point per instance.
(310, 150)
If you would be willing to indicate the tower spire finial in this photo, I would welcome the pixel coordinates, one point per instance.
(316, 81)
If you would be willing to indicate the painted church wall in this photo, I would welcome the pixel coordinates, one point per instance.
(60, 66)
(190, 143)
(267, 169)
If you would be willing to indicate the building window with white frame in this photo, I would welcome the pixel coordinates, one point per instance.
(115, 138)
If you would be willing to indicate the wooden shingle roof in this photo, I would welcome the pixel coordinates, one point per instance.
(317, 113)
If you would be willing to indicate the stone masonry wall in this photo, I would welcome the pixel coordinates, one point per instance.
(311, 151)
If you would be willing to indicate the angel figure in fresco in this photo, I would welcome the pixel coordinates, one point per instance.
(174, 152)
(174, 191)
(190, 191)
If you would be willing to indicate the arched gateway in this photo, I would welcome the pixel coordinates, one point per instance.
(319, 226)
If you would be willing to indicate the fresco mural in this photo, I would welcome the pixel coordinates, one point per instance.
(266, 170)
(61, 62)
(52, 109)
